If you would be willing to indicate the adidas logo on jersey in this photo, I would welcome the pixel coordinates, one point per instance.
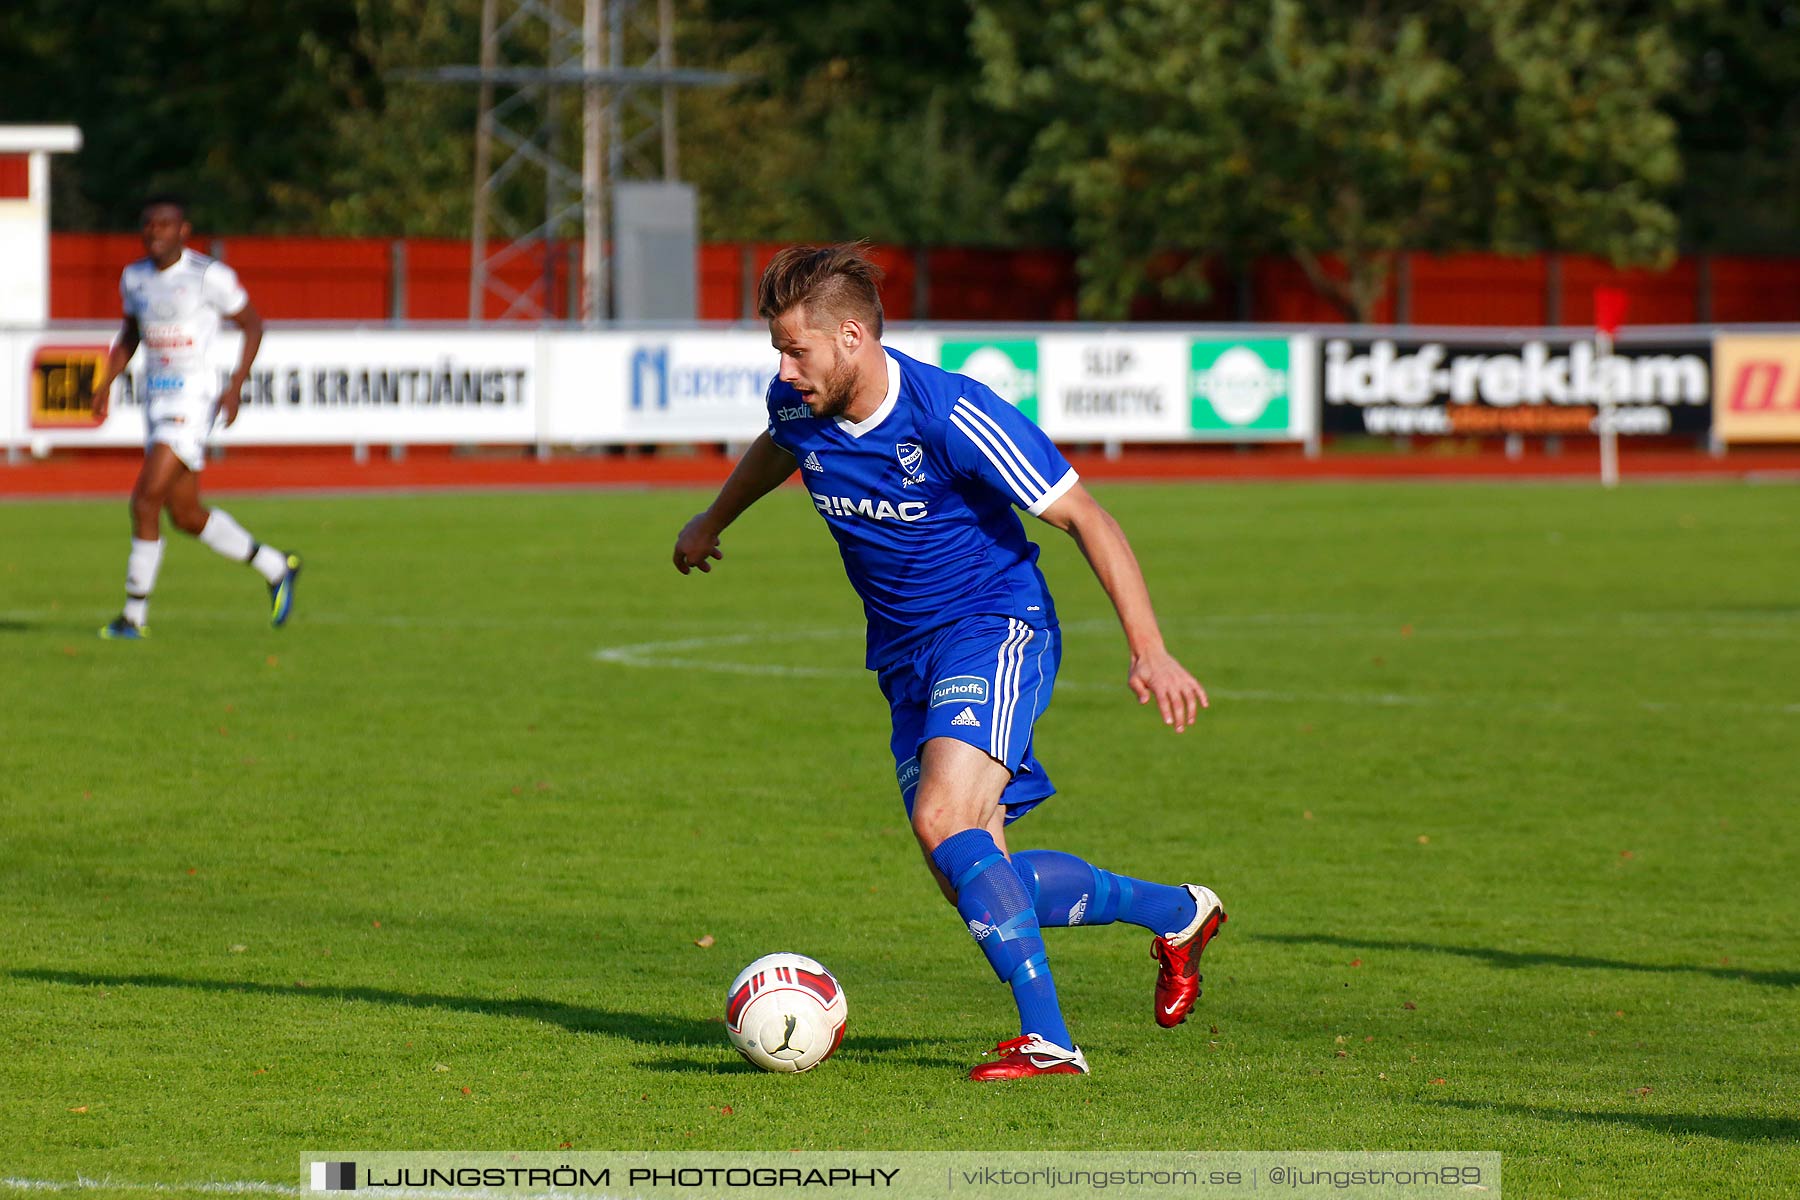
(966, 717)
(812, 462)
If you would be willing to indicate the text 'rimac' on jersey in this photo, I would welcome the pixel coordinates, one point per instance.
(920, 497)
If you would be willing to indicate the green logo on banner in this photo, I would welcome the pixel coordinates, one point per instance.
(1238, 386)
(1010, 368)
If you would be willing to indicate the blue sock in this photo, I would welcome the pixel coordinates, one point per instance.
(999, 914)
(1066, 890)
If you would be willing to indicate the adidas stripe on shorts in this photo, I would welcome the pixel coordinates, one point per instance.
(983, 680)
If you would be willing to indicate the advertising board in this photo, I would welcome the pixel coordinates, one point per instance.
(1525, 386)
(307, 387)
(1757, 396)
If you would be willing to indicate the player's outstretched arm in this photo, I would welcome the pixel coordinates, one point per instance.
(251, 322)
(762, 469)
(1154, 672)
(117, 359)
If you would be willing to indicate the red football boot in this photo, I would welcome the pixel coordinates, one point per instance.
(1031, 1055)
(1178, 980)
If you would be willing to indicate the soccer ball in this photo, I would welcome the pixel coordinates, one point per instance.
(785, 1012)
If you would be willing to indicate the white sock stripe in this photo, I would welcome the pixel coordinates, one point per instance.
(1026, 495)
(1008, 444)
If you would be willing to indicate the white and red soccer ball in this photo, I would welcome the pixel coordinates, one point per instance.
(785, 1012)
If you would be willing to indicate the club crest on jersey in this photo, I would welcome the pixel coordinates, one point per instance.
(911, 456)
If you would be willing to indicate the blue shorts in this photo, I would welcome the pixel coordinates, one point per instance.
(983, 680)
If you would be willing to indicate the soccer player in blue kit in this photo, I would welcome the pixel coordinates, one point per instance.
(916, 472)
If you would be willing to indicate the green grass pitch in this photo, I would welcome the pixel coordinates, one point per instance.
(1499, 786)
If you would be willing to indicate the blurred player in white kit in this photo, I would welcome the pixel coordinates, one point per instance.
(174, 301)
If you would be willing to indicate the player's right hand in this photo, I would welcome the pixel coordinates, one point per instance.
(102, 403)
(698, 542)
(229, 401)
(1157, 676)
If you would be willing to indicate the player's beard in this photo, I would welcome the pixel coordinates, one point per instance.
(840, 387)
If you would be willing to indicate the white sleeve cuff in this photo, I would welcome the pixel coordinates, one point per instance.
(1055, 493)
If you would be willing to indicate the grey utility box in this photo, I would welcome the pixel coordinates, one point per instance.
(656, 249)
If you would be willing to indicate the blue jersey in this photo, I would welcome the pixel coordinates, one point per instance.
(920, 499)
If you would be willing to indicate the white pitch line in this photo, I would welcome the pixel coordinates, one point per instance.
(656, 656)
(250, 616)
(1773, 626)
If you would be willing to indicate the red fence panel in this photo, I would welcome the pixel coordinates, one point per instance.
(312, 279)
(84, 274)
(437, 279)
(1282, 293)
(1653, 297)
(1755, 289)
(352, 279)
(972, 284)
(721, 282)
(1477, 289)
(15, 176)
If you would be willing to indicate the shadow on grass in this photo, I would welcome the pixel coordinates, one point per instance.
(1517, 959)
(9, 625)
(655, 1029)
(1721, 1126)
(860, 1050)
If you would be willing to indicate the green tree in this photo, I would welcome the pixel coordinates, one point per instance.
(400, 150)
(857, 118)
(213, 99)
(1336, 128)
(1739, 110)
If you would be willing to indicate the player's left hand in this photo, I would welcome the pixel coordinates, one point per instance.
(1179, 696)
(229, 399)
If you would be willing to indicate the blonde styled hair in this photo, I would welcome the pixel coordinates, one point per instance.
(833, 282)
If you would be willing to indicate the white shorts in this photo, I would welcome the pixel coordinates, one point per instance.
(183, 430)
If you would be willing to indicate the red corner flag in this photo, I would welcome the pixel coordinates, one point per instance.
(1609, 310)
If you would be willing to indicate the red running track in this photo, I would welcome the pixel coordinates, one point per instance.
(433, 469)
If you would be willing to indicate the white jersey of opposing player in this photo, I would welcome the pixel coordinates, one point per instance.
(178, 312)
